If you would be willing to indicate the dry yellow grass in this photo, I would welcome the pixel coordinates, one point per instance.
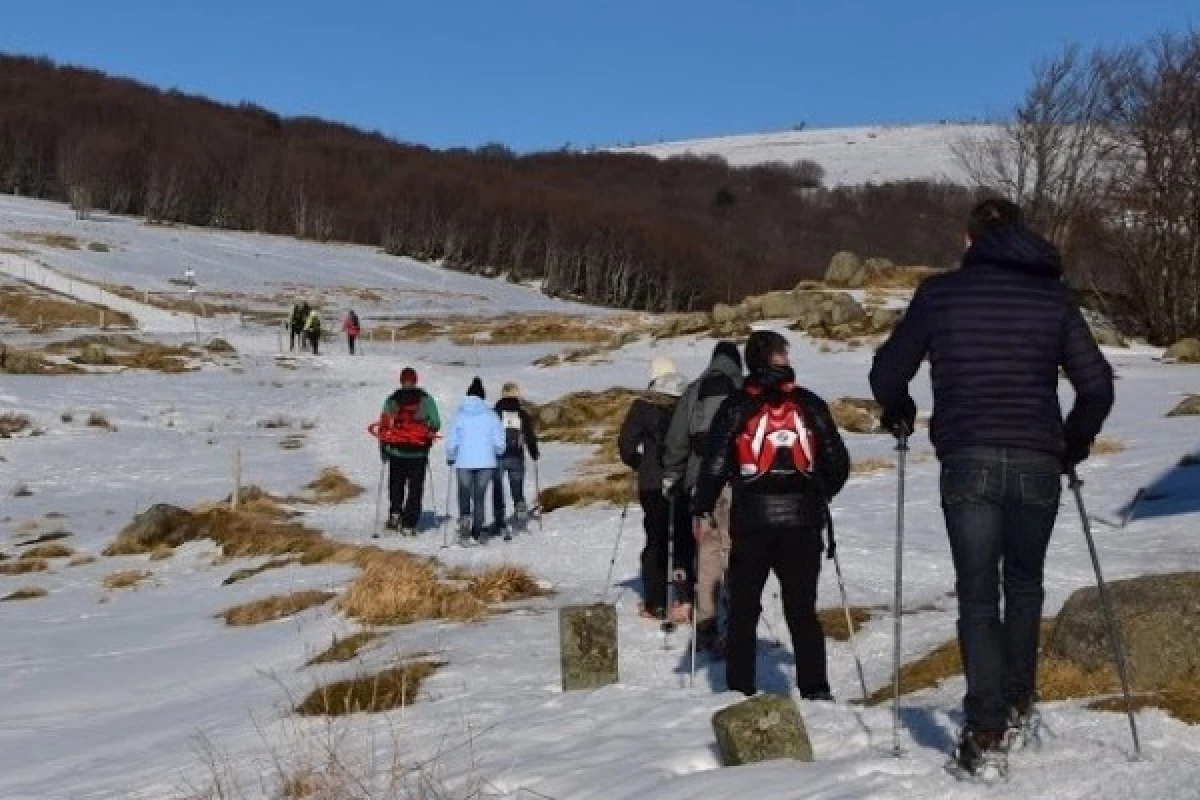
(530, 329)
(1106, 446)
(383, 691)
(79, 561)
(868, 466)
(12, 423)
(125, 579)
(1181, 700)
(24, 593)
(24, 566)
(48, 551)
(45, 537)
(900, 277)
(42, 311)
(616, 488)
(27, 362)
(60, 240)
(343, 649)
(122, 350)
(245, 573)
(270, 609)
(833, 621)
(332, 486)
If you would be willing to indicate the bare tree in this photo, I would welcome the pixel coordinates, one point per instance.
(1053, 157)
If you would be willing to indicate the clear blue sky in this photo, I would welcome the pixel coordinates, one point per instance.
(536, 74)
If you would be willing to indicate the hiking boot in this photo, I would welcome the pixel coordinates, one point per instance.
(651, 612)
(980, 755)
(710, 641)
(393, 522)
(1024, 727)
(818, 695)
(411, 532)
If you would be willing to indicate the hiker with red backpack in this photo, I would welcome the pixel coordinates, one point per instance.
(407, 430)
(778, 447)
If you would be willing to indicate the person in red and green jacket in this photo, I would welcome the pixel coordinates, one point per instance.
(410, 423)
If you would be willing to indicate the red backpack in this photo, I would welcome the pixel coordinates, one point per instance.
(775, 440)
(404, 428)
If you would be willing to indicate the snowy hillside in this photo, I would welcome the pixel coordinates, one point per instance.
(138, 692)
(849, 155)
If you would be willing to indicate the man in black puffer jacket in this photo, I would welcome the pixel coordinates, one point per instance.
(996, 332)
(779, 447)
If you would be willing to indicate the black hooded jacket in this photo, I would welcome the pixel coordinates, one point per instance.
(996, 332)
(527, 441)
(797, 501)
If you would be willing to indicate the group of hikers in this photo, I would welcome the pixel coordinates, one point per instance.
(736, 470)
(304, 325)
(486, 446)
(736, 473)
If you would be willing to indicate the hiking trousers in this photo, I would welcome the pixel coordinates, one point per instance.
(406, 487)
(712, 553)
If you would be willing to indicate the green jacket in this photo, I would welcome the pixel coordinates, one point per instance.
(426, 413)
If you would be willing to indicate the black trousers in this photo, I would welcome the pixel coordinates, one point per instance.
(314, 339)
(656, 511)
(406, 488)
(350, 342)
(794, 554)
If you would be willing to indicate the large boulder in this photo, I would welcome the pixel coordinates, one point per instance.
(1185, 351)
(1159, 620)
(723, 314)
(762, 728)
(1190, 407)
(846, 269)
(776, 305)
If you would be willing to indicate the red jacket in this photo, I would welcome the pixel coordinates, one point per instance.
(350, 326)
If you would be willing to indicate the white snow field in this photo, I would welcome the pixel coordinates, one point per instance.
(113, 694)
(850, 156)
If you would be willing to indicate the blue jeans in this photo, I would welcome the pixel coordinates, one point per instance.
(472, 489)
(516, 482)
(1000, 505)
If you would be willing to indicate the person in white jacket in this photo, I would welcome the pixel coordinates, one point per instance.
(474, 443)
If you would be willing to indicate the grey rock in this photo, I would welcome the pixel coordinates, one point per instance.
(588, 646)
(761, 728)
(845, 269)
(1185, 351)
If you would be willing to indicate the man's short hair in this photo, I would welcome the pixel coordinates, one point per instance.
(994, 212)
(761, 346)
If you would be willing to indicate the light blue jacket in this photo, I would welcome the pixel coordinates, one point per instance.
(476, 436)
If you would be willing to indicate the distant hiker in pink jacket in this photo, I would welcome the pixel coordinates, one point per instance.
(351, 328)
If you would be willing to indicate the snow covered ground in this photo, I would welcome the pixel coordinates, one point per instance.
(109, 694)
(850, 156)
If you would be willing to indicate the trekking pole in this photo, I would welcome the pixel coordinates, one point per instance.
(695, 597)
(612, 562)
(1114, 635)
(446, 519)
(901, 458)
(432, 489)
(667, 626)
(537, 488)
(837, 568)
(383, 466)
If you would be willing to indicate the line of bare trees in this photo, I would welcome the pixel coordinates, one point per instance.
(1104, 155)
(622, 230)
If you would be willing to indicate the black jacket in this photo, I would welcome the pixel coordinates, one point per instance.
(528, 439)
(640, 442)
(798, 502)
(996, 332)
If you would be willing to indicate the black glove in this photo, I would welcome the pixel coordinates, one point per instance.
(900, 420)
(1076, 452)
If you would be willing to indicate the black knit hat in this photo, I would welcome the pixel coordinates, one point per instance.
(476, 389)
(729, 350)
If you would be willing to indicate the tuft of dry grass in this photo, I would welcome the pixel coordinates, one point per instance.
(122, 350)
(24, 362)
(45, 537)
(925, 673)
(504, 584)
(125, 579)
(249, 572)
(833, 621)
(162, 553)
(12, 423)
(393, 688)
(899, 277)
(399, 589)
(47, 551)
(530, 329)
(270, 609)
(868, 466)
(24, 593)
(62, 241)
(98, 420)
(343, 649)
(81, 560)
(24, 566)
(332, 486)
(1107, 445)
(616, 488)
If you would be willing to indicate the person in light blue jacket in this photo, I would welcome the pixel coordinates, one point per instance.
(473, 445)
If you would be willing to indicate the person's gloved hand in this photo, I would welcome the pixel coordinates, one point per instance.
(1076, 452)
(900, 420)
(702, 527)
(668, 487)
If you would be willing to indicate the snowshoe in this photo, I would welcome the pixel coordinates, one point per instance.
(980, 757)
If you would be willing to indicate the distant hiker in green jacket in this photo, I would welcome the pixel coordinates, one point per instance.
(296, 325)
(408, 428)
(312, 329)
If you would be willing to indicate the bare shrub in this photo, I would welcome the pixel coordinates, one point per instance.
(97, 420)
(332, 486)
